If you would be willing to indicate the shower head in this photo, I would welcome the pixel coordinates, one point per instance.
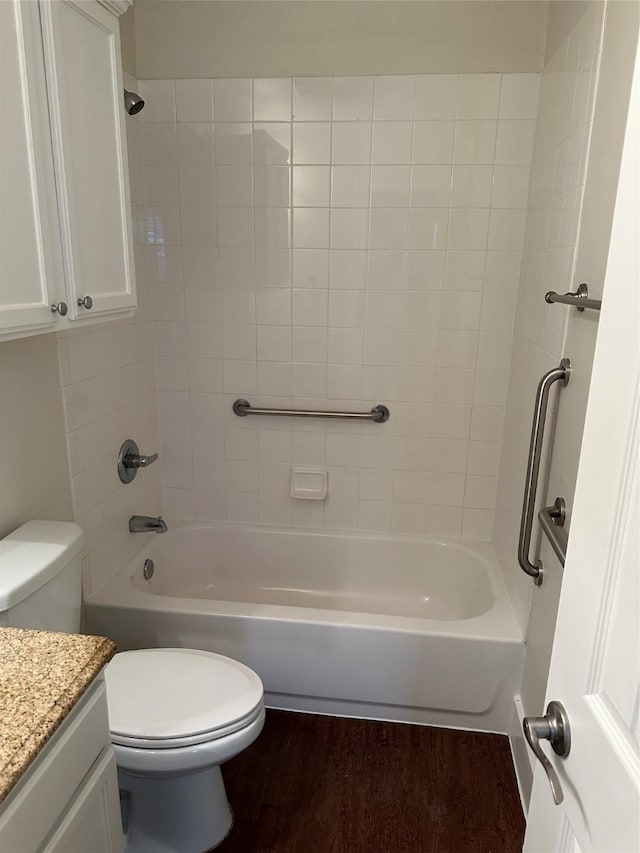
(133, 103)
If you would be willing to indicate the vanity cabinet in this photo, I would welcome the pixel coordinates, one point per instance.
(66, 254)
(68, 800)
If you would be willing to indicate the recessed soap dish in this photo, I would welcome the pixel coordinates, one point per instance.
(309, 484)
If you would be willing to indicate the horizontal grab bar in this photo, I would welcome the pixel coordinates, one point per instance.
(557, 374)
(579, 299)
(551, 520)
(379, 414)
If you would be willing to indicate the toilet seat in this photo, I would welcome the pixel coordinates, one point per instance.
(172, 698)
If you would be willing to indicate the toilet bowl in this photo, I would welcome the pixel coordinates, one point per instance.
(175, 716)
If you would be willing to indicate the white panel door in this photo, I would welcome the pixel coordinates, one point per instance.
(84, 76)
(595, 667)
(30, 260)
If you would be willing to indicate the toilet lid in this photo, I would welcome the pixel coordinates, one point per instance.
(169, 694)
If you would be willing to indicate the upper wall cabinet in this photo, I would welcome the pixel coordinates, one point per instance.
(67, 255)
(31, 274)
(84, 77)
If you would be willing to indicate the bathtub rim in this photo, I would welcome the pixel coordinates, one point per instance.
(498, 623)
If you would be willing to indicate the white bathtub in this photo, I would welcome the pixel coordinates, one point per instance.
(386, 627)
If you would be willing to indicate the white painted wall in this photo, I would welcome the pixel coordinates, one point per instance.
(186, 39)
(34, 474)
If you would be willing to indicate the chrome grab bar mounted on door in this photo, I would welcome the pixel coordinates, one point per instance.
(558, 374)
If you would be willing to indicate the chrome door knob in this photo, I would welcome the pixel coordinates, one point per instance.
(85, 302)
(555, 728)
(60, 308)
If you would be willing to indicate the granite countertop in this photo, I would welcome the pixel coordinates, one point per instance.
(42, 676)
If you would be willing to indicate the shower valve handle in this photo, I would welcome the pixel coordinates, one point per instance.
(130, 459)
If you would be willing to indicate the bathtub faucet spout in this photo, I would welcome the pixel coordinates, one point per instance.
(146, 523)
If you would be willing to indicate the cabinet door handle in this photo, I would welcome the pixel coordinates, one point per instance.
(85, 302)
(60, 308)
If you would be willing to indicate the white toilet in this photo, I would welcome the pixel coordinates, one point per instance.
(175, 714)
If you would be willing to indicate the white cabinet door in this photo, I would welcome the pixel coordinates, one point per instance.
(30, 259)
(93, 822)
(84, 79)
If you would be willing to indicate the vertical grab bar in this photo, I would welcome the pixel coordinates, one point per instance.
(558, 374)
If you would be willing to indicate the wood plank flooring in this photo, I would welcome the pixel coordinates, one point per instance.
(313, 784)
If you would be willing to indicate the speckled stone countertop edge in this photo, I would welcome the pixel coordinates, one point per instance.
(68, 680)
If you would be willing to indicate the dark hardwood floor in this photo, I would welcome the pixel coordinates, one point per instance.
(313, 784)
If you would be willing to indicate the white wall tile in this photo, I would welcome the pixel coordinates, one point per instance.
(349, 229)
(311, 186)
(388, 229)
(478, 96)
(271, 143)
(433, 141)
(333, 241)
(348, 269)
(475, 142)
(471, 186)
(390, 186)
(232, 100)
(351, 143)
(194, 100)
(392, 142)
(234, 186)
(510, 186)
(506, 230)
(312, 142)
(519, 96)
(346, 308)
(159, 143)
(352, 98)
(310, 228)
(468, 230)
(514, 142)
(310, 307)
(350, 186)
(428, 229)
(160, 100)
(311, 267)
(233, 143)
(272, 99)
(196, 184)
(312, 98)
(345, 345)
(195, 143)
(273, 343)
(430, 186)
(435, 96)
(425, 270)
(394, 97)
(464, 270)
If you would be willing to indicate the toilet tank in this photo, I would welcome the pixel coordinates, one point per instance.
(40, 576)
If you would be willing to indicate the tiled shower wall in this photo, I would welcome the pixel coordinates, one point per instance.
(336, 243)
(545, 333)
(108, 393)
